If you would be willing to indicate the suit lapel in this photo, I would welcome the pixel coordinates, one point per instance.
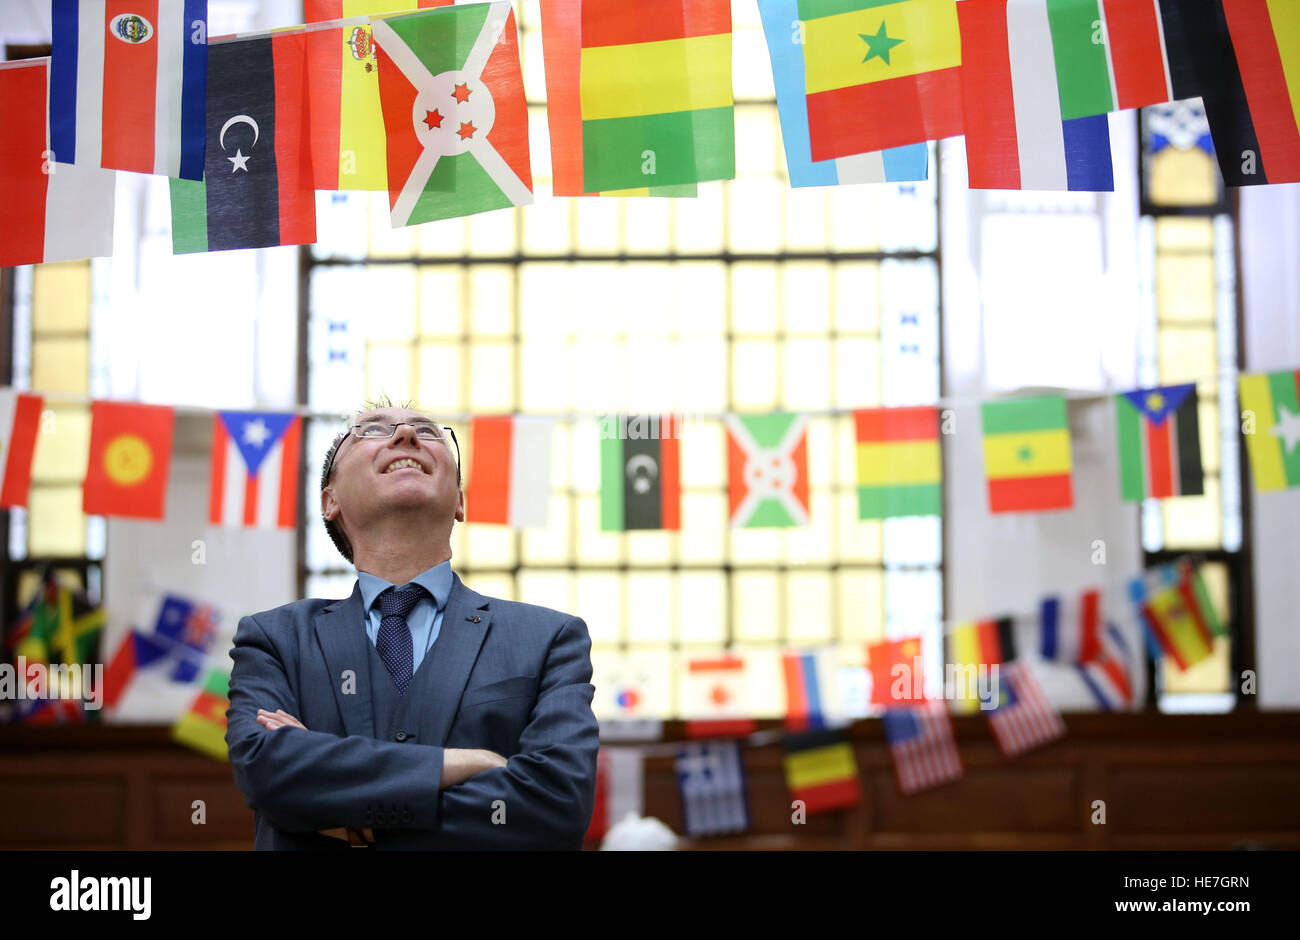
(453, 656)
(341, 632)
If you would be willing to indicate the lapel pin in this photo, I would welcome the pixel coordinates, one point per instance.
(474, 619)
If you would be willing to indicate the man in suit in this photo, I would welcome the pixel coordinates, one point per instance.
(417, 713)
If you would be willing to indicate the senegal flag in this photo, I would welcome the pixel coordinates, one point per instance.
(898, 462)
(1027, 454)
(880, 73)
(640, 473)
(130, 453)
(454, 111)
(203, 727)
(1274, 445)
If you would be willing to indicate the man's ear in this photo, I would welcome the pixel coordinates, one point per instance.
(460, 506)
(329, 506)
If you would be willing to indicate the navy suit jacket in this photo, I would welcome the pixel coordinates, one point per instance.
(509, 677)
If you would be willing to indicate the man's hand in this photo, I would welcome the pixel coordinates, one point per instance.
(460, 763)
(278, 719)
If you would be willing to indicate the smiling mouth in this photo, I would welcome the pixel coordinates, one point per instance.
(398, 466)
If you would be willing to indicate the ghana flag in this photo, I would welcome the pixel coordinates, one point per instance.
(454, 111)
(820, 770)
(655, 93)
(880, 73)
(130, 453)
(1274, 445)
(640, 473)
(899, 469)
(1027, 454)
(203, 727)
(1159, 442)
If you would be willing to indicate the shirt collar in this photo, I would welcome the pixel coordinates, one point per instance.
(435, 580)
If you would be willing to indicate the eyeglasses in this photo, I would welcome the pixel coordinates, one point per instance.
(379, 431)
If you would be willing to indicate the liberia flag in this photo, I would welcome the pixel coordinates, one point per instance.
(20, 420)
(1022, 717)
(127, 85)
(510, 471)
(255, 470)
(922, 746)
(52, 212)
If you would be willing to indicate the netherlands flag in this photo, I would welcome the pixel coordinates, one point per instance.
(20, 419)
(128, 85)
(255, 470)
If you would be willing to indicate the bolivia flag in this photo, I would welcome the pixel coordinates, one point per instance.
(52, 212)
(1243, 57)
(256, 191)
(655, 93)
(640, 473)
(716, 699)
(1159, 443)
(510, 478)
(20, 420)
(975, 644)
(1275, 444)
(1018, 133)
(880, 73)
(896, 673)
(130, 452)
(899, 469)
(454, 111)
(1027, 454)
(767, 467)
(820, 770)
(203, 727)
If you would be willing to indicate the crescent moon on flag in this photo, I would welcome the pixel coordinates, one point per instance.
(239, 119)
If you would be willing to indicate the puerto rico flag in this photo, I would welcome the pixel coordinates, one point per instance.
(128, 85)
(255, 470)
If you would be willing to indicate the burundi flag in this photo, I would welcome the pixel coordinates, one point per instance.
(53, 212)
(880, 73)
(510, 471)
(821, 771)
(454, 111)
(127, 84)
(1273, 401)
(896, 165)
(254, 478)
(20, 421)
(767, 468)
(1159, 443)
(1018, 132)
(203, 727)
(257, 186)
(899, 467)
(640, 473)
(655, 93)
(130, 454)
(1027, 454)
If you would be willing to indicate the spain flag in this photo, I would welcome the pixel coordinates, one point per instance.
(130, 454)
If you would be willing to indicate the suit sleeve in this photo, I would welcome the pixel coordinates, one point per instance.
(548, 789)
(303, 781)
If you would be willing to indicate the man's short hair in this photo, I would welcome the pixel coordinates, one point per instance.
(335, 530)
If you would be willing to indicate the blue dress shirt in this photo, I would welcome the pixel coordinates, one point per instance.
(425, 618)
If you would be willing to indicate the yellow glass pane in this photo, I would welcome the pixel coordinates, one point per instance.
(806, 287)
(549, 226)
(546, 376)
(861, 604)
(595, 546)
(753, 367)
(488, 545)
(531, 63)
(755, 290)
(650, 547)
(807, 382)
(703, 537)
(806, 218)
(539, 150)
(549, 546)
(755, 546)
(1213, 674)
(645, 290)
(601, 382)
(704, 453)
(751, 68)
(491, 300)
(586, 293)
(492, 384)
(702, 298)
(819, 435)
(1187, 354)
(441, 382)
(844, 439)
(1215, 577)
(61, 297)
(857, 298)
(860, 540)
(55, 524)
(61, 365)
(445, 238)
(600, 603)
(1208, 422)
(855, 214)
(765, 679)
(493, 584)
(62, 446)
(698, 222)
(812, 544)
(1185, 288)
(1194, 521)
(553, 589)
(388, 371)
(546, 299)
(441, 291)
(391, 315)
(758, 143)
(808, 613)
(598, 224)
(389, 242)
(856, 365)
(652, 598)
(757, 602)
(702, 375)
(1183, 178)
(647, 224)
(702, 608)
(492, 233)
(1179, 234)
(754, 223)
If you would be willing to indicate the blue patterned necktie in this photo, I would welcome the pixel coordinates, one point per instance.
(394, 639)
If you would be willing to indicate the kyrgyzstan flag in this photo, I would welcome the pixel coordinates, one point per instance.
(127, 84)
(52, 212)
(130, 453)
(20, 419)
(640, 473)
(454, 111)
(257, 188)
(510, 479)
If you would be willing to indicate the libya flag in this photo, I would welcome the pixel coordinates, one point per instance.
(1159, 442)
(454, 110)
(767, 468)
(1273, 399)
(640, 473)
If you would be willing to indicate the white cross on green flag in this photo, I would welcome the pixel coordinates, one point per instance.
(452, 94)
(767, 468)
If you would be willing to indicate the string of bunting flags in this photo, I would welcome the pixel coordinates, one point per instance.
(428, 104)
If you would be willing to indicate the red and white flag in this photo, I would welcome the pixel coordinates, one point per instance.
(716, 699)
(510, 479)
(922, 745)
(52, 212)
(255, 470)
(1024, 717)
(20, 420)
